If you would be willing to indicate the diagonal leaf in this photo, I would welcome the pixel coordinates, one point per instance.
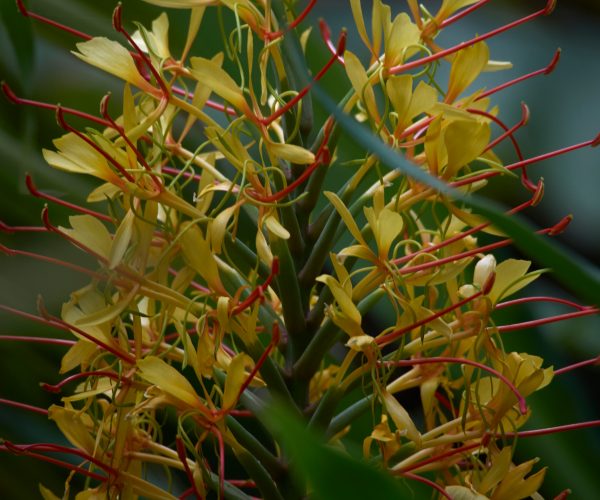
(330, 473)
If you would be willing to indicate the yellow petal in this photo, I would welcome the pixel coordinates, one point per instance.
(168, 379)
(497, 472)
(360, 82)
(345, 215)
(401, 418)
(46, 493)
(466, 67)
(91, 233)
(236, 375)
(465, 141)
(510, 278)
(275, 227)
(359, 21)
(218, 228)
(71, 424)
(121, 241)
(113, 58)
(218, 80)
(403, 35)
(342, 298)
(75, 155)
(199, 256)
(463, 493)
(78, 354)
(291, 153)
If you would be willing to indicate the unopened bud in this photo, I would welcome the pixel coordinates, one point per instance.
(483, 270)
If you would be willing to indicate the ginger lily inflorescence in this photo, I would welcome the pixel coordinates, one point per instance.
(227, 275)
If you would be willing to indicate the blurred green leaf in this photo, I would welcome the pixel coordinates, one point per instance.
(330, 473)
(20, 33)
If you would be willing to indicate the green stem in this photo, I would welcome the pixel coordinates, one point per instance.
(326, 337)
(326, 409)
(230, 493)
(349, 415)
(258, 473)
(254, 446)
(290, 296)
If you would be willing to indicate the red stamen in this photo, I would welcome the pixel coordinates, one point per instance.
(563, 494)
(546, 321)
(441, 456)
(52, 260)
(58, 387)
(445, 402)
(274, 341)
(118, 25)
(56, 448)
(63, 325)
(259, 290)
(273, 35)
(24, 406)
(176, 171)
(524, 300)
(6, 228)
(14, 449)
(446, 359)
(428, 482)
(390, 337)
(574, 366)
(63, 124)
(242, 483)
(510, 133)
(326, 35)
(322, 157)
(529, 161)
(183, 458)
(551, 231)
(37, 340)
(209, 103)
(12, 97)
(50, 22)
(298, 97)
(463, 13)
(193, 284)
(241, 413)
(551, 430)
(221, 460)
(39, 194)
(473, 230)
(138, 154)
(544, 71)
(463, 45)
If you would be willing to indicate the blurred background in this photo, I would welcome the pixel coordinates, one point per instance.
(36, 62)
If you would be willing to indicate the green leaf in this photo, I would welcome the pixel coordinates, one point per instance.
(20, 33)
(571, 270)
(330, 473)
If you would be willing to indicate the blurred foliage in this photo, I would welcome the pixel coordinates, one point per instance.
(36, 61)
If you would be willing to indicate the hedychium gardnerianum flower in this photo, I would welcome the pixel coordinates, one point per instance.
(227, 275)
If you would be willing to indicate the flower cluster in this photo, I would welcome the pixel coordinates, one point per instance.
(227, 277)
